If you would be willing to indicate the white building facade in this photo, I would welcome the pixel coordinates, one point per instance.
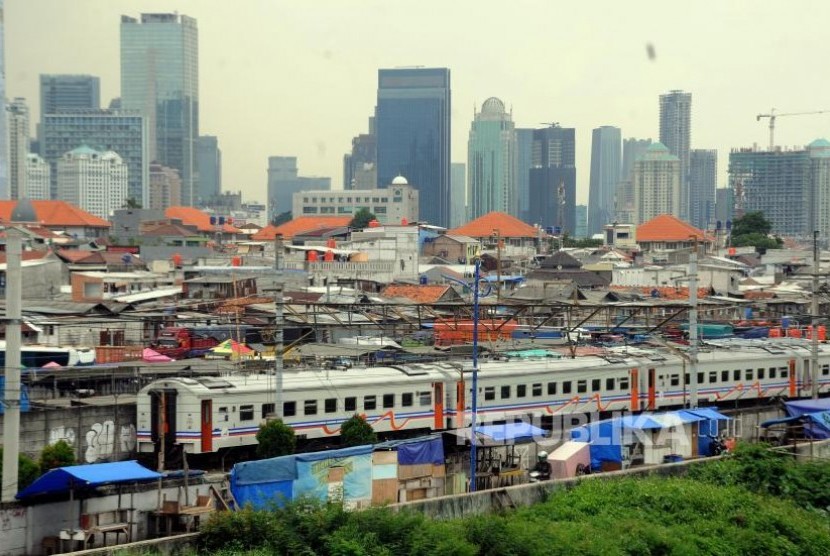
(38, 178)
(656, 184)
(397, 202)
(92, 180)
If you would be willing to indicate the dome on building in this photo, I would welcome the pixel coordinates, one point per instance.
(820, 148)
(492, 106)
(400, 180)
(24, 211)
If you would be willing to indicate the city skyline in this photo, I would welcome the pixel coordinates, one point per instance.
(333, 76)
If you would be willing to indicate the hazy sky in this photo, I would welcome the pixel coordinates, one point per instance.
(300, 77)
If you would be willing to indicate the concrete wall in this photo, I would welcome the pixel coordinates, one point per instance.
(98, 433)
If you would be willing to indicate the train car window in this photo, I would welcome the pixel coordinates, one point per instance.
(700, 378)
(490, 393)
(310, 407)
(624, 383)
(825, 370)
(724, 376)
(736, 375)
(581, 386)
(551, 388)
(761, 374)
(521, 390)
(772, 372)
(406, 399)
(505, 392)
(749, 374)
(331, 405)
(388, 401)
(687, 378)
(566, 387)
(268, 409)
(785, 372)
(370, 402)
(424, 398)
(674, 380)
(223, 413)
(596, 385)
(713, 376)
(289, 409)
(246, 413)
(350, 404)
(537, 390)
(609, 384)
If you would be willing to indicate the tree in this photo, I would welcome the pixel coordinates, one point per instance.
(131, 203)
(362, 218)
(281, 218)
(275, 439)
(751, 223)
(356, 431)
(27, 470)
(56, 455)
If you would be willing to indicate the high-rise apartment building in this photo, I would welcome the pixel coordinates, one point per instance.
(209, 167)
(38, 178)
(491, 161)
(284, 180)
(18, 123)
(458, 194)
(605, 176)
(524, 159)
(703, 177)
(93, 180)
(552, 178)
(581, 220)
(360, 169)
(412, 120)
(656, 184)
(633, 149)
(819, 215)
(4, 131)
(61, 93)
(676, 135)
(160, 78)
(105, 130)
(165, 187)
(724, 206)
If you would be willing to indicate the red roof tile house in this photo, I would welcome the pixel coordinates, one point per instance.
(421, 293)
(300, 225)
(516, 237)
(668, 233)
(60, 216)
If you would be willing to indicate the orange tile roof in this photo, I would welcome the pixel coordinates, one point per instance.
(53, 214)
(507, 226)
(300, 225)
(665, 292)
(194, 217)
(27, 256)
(669, 228)
(422, 293)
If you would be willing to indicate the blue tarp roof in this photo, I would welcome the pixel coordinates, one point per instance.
(510, 431)
(807, 406)
(76, 477)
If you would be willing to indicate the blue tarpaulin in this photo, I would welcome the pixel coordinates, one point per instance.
(264, 482)
(76, 477)
(510, 432)
(24, 396)
(429, 451)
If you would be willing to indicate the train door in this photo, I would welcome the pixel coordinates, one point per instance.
(207, 426)
(438, 405)
(652, 388)
(460, 401)
(635, 389)
(163, 428)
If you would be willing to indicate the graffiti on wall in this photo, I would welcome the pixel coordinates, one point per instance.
(67, 434)
(101, 441)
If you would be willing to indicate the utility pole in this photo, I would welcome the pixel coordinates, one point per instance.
(278, 325)
(497, 236)
(474, 412)
(814, 321)
(11, 394)
(693, 324)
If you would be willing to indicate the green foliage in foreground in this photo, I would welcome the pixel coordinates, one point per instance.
(27, 470)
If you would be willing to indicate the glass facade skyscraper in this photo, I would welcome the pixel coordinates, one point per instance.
(676, 135)
(209, 166)
(491, 161)
(524, 159)
(605, 176)
(160, 78)
(69, 92)
(413, 135)
(703, 176)
(552, 178)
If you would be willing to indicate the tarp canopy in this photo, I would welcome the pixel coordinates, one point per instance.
(428, 451)
(77, 477)
(152, 356)
(510, 432)
(230, 346)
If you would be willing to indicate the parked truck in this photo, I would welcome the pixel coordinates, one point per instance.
(183, 343)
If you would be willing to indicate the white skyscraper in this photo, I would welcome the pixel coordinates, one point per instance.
(92, 180)
(491, 161)
(656, 184)
(676, 135)
(18, 122)
(38, 178)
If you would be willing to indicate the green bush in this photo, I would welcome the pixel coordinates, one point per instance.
(56, 455)
(275, 439)
(27, 470)
(356, 431)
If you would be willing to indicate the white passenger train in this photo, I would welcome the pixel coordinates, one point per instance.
(209, 414)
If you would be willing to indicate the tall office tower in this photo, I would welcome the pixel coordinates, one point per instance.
(524, 159)
(165, 187)
(581, 220)
(67, 93)
(819, 216)
(776, 183)
(458, 194)
(724, 206)
(209, 168)
(633, 149)
(4, 132)
(656, 184)
(360, 169)
(106, 130)
(93, 180)
(605, 176)
(703, 177)
(38, 177)
(552, 178)
(18, 122)
(284, 180)
(160, 78)
(676, 135)
(491, 160)
(412, 120)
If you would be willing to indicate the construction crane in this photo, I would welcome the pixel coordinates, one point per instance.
(772, 116)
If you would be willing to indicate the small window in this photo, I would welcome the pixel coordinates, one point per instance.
(581, 386)
(490, 393)
(406, 399)
(700, 378)
(566, 387)
(350, 404)
(609, 384)
(289, 409)
(331, 405)
(825, 370)
(674, 380)
(624, 383)
(310, 407)
(388, 401)
(521, 390)
(370, 402)
(772, 372)
(713, 377)
(505, 392)
(761, 374)
(424, 398)
(551, 388)
(537, 390)
(267, 409)
(246, 413)
(736, 375)
(596, 385)
(749, 374)
(785, 372)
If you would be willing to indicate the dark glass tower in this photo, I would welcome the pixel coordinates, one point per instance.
(552, 178)
(413, 135)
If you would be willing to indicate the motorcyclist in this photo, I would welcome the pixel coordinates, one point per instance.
(542, 470)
